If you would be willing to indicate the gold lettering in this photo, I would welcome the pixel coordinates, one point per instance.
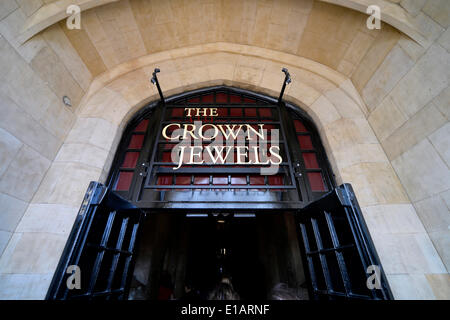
(181, 158)
(199, 154)
(240, 154)
(191, 132)
(219, 152)
(259, 134)
(257, 160)
(202, 111)
(216, 132)
(276, 154)
(164, 131)
(230, 130)
(189, 111)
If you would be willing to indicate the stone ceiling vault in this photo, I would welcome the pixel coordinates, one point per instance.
(379, 99)
(393, 13)
(114, 32)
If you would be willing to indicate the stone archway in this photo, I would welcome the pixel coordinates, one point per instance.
(328, 97)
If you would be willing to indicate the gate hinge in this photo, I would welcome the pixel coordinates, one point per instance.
(144, 171)
(94, 196)
(345, 198)
(297, 169)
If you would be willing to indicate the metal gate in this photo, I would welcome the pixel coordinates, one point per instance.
(338, 252)
(337, 248)
(143, 169)
(102, 246)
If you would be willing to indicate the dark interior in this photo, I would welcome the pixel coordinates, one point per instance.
(256, 251)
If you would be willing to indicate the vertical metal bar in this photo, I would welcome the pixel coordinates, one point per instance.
(162, 113)
(99, 258)
(282, 114)
(75, 244)
(133, 238)
(366, 240)
(323, 259)
(339, 256)
(362, 252)
(360, 242)
(287, 79)
(80, 248)
(280, 98)
(308, 256)
(123, 230)
(154, 80)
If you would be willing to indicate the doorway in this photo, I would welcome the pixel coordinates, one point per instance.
(147, 197)
(254, 251)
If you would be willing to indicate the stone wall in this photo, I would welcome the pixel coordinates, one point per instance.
(33, 125)
(408, 98)
(33, 120)
(380, 100)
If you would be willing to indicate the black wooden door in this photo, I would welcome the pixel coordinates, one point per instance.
(101, 248)
(339, 257)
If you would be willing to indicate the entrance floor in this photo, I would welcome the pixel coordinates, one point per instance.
(254, 251)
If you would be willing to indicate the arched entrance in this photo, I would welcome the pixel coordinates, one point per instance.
(145, 174)
(124, 233)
